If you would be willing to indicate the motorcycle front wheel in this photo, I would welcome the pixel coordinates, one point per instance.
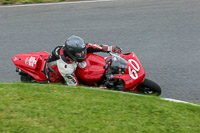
(149, 87)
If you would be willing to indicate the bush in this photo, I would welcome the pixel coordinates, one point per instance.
(5, 2)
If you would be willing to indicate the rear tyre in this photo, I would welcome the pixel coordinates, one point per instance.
(149, 87)
(24, 77)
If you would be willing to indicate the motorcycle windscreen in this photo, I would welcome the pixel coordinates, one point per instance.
(118, 65)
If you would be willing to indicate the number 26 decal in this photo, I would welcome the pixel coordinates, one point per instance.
(135, 68)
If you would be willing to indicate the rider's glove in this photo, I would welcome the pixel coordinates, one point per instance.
(115, 49)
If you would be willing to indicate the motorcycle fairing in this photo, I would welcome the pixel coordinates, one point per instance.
(126, 67)
(32, 64)
(134, 74)
(93, 70)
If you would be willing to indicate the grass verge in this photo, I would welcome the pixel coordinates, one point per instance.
(6, 2)
(57, 108)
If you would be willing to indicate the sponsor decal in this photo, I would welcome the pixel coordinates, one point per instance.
(133, 69)
(70, 79)
(15, 59)
(128, 79)
(26, 60)
(83, 45)
(30, 61)
(96, 45)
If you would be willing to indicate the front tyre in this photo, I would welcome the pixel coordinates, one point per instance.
(149, 87)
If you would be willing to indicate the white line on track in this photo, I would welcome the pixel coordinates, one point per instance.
(179, 101)
(57, 3)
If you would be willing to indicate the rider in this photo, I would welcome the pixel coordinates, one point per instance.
(63, 60)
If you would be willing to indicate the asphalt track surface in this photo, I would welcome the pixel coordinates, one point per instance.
(165, 35)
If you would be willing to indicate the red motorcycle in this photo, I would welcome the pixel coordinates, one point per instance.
(122, 72)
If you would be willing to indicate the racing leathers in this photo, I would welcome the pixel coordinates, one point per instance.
(61, 68)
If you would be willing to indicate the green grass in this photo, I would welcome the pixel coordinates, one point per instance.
(6, 2)
(35, 108)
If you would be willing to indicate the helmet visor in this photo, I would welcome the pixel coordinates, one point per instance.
(80, 54)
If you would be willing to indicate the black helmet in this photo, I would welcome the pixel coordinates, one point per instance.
(75, 48)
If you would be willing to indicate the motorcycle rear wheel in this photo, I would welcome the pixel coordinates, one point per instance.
(149, 87)
(24, 77)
